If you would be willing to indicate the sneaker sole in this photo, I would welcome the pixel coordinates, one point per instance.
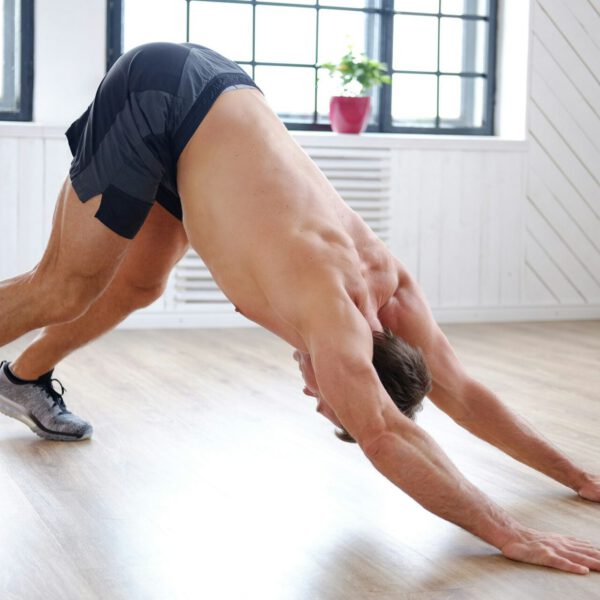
(15, 411)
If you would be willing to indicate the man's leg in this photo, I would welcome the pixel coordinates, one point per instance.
(139, 281)
(80, 260)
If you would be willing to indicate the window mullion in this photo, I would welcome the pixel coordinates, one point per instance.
(386, 53)
(437, 87)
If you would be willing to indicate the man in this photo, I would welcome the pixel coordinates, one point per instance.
(289, 253)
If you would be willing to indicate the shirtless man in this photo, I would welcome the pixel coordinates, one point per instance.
(288, 252)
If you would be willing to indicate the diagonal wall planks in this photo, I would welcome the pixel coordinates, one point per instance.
(563, 193)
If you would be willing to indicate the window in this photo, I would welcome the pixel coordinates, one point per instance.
(440, 53)
(16, 60)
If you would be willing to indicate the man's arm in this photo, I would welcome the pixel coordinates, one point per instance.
(341, 345)
(471, 404)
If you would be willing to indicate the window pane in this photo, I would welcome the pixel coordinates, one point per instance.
(466, 7)
(337, 30)
(289, 90)
(152, 21)
(415, 43)
(451, 45)
(286, 35)
(414, 100)
(462, 101)
(248, 69)
(423, 6)
(327, 87)
(226, 28)
(463, 45)
(10, 57)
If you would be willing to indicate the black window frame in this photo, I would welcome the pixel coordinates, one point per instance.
(24, 112)
(382, 96)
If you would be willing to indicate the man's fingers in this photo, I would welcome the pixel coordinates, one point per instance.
(564, 564)
(581, 542)
(582, 559)
(585, 548)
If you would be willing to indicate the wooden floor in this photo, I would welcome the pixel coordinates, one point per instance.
(210, 476)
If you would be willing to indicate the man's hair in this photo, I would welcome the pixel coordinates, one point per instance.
(403, 373)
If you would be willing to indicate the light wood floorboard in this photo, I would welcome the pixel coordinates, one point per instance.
(210, 476)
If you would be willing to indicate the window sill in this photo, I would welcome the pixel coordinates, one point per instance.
(13, 129)
(325, 138)
(411, 141)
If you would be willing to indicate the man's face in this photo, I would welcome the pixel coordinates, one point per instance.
(311, 388)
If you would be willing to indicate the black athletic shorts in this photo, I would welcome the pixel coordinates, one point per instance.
(125, 146)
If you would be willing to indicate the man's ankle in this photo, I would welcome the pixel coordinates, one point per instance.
(19, 375)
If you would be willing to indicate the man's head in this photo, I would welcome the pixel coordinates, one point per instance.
(401, 369)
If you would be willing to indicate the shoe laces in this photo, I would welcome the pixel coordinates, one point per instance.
(57, 396)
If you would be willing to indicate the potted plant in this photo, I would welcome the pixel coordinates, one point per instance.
(349, 113)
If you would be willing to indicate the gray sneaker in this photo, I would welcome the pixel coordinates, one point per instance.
(41, 407)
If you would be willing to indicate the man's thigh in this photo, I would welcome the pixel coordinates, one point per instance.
(155, 250)
(80, 246)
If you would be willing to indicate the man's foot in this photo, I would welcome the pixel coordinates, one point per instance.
(40, 407)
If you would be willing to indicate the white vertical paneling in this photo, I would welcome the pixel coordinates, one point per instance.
(30, 203)
(468, 238)
(491, 201)
(430, 213)
(9, 183)
(510, 177)
(458, 224)
(406, 181)
(452, 232)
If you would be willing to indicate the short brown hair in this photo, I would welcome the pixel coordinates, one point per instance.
(403, 373)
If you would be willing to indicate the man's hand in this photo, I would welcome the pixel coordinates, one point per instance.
(553, 550)
(590, 489)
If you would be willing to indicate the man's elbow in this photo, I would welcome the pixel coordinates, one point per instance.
(377, 446)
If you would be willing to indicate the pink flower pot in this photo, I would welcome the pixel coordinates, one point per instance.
(349, 114)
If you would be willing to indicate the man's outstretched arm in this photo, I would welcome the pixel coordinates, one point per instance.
(475, 407)
(340, 346)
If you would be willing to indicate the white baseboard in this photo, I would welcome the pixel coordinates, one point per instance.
(503, 314)
(494, 314)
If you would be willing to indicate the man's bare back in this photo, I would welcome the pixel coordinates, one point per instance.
(274, 232)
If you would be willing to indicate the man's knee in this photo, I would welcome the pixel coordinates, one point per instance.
(68, 296)
(140, 294)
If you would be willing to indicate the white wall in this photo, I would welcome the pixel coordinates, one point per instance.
(494, 229)
(70, 57)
